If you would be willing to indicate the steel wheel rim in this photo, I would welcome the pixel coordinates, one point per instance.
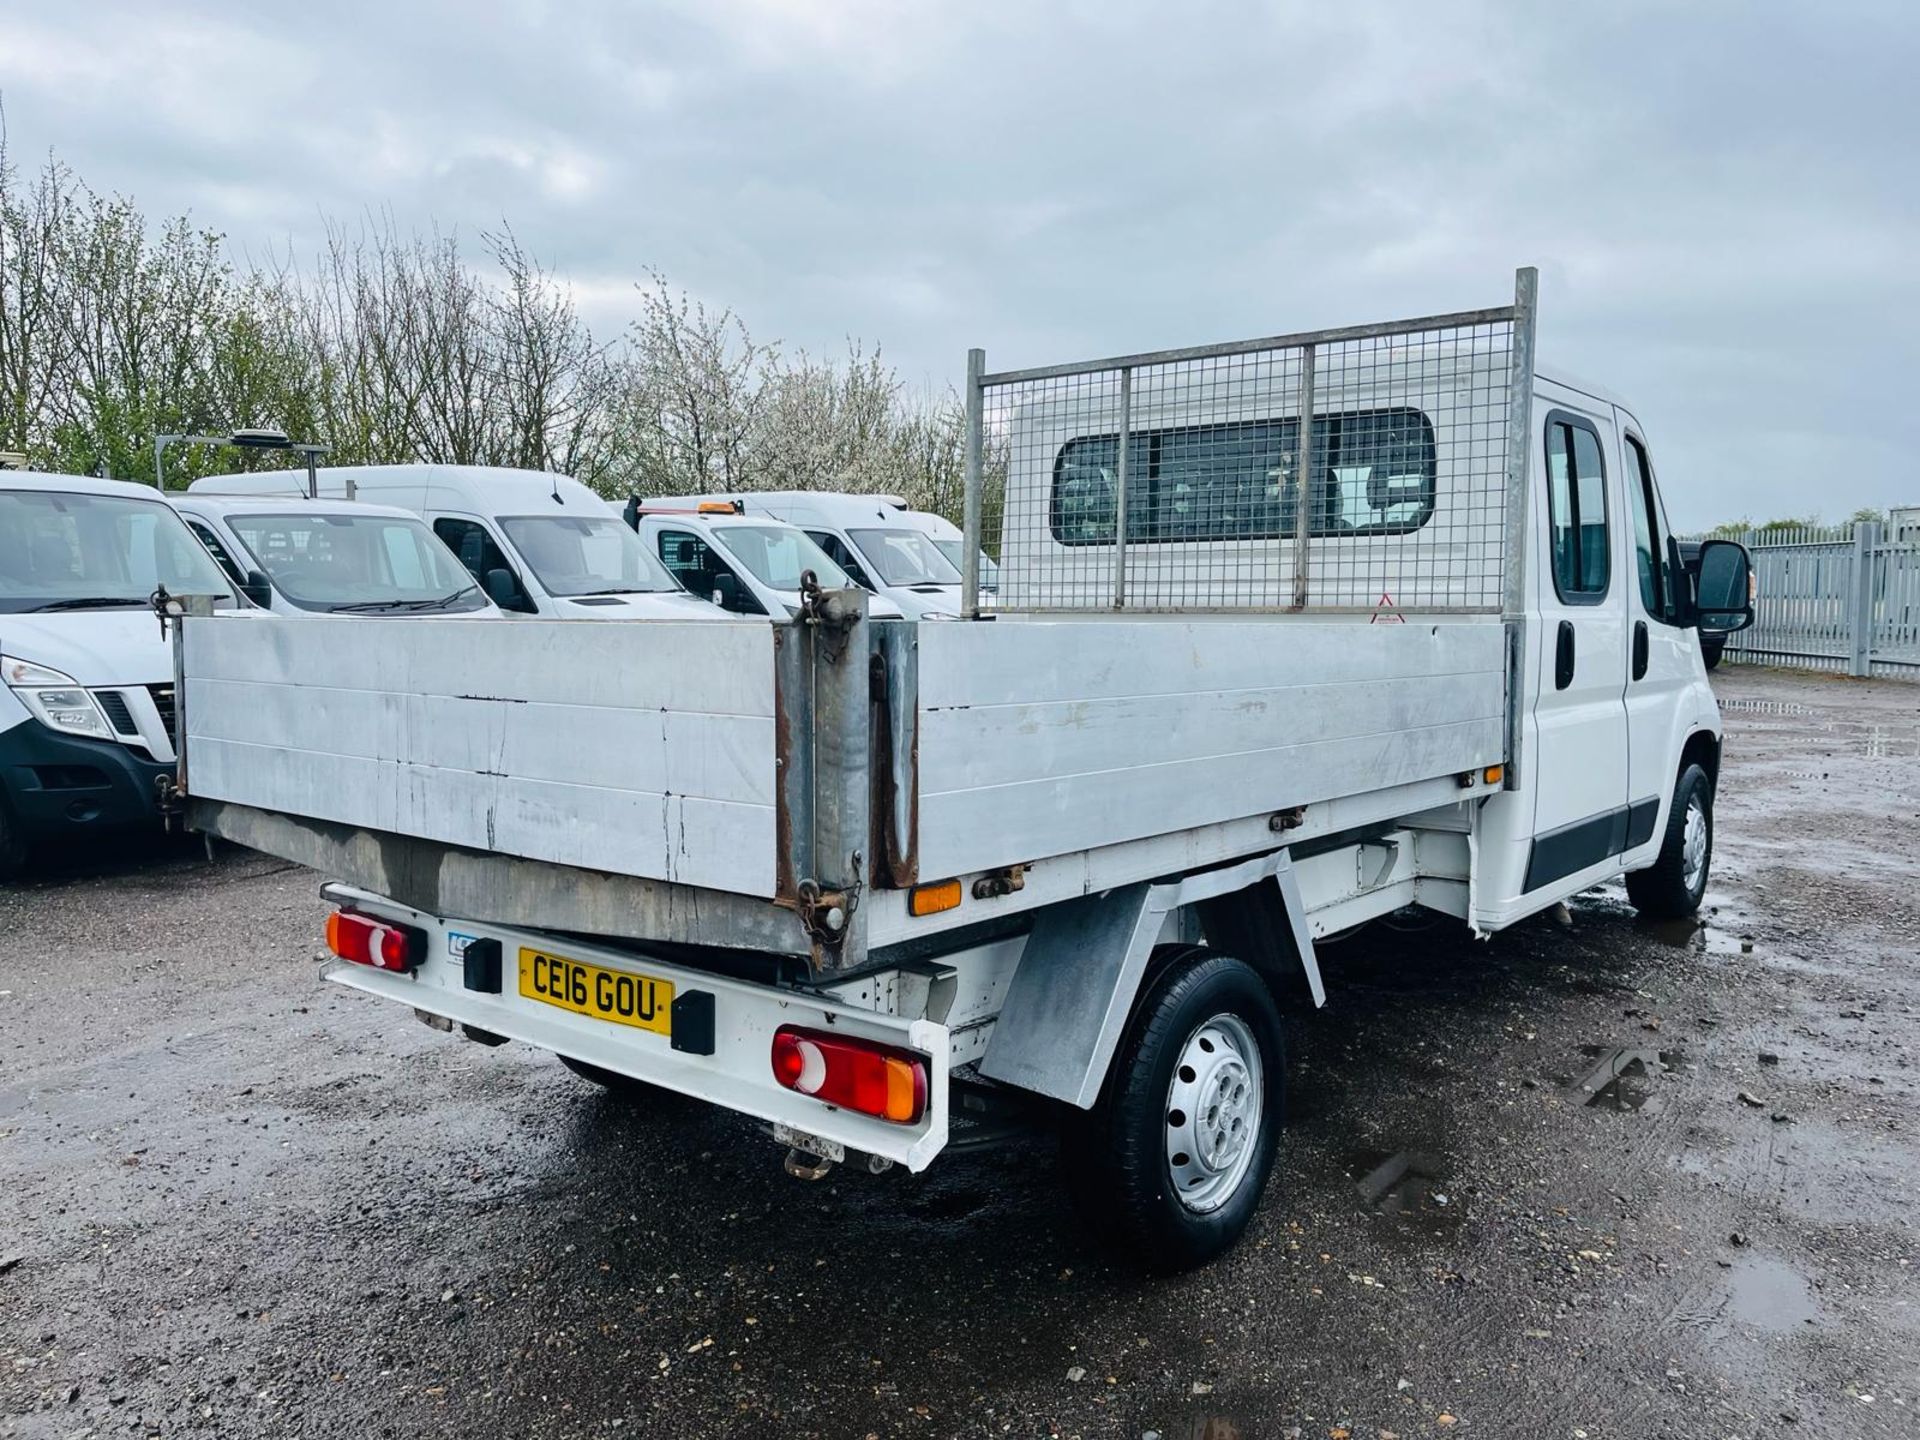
(1693, 844)
(1215, 1104)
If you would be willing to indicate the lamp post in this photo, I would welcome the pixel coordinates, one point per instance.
(309, 450)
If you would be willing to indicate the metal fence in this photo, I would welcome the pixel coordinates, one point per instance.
(1842, 598)
(1174, 481)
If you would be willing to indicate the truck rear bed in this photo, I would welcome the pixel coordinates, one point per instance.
(683, 767)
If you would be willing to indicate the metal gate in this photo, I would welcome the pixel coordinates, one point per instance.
(1842, 598)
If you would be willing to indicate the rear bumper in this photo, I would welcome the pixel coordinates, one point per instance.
(737, 1074)
(60, 785)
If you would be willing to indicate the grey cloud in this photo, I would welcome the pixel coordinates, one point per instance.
(1722, 198)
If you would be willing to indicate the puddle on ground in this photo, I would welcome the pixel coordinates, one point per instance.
(1621, 1080)
(1874, 741)
(1761, 1293)
(1407, 1182)
(1692, 933)
(1884, 744)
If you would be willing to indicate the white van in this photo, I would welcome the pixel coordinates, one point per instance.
(332, 557)
(748, 564)
(87, 704)
(870, 538)
(538, 543)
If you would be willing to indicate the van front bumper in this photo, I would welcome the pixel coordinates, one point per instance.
(62, 785)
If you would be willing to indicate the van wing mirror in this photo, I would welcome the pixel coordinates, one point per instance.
(726, 592)
(504, 590)
(257, 588)
(1723, 587)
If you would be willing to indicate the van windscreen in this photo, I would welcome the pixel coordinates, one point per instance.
(586, 555)
(905, 557)
(69, 550)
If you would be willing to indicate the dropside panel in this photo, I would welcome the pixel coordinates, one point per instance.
(1044, 738)
(643, 749)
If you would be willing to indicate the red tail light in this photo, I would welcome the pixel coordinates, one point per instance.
(855, 1074)
(379, 943)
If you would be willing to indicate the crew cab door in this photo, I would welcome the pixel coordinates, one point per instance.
(1580, 770)
(1663, 657)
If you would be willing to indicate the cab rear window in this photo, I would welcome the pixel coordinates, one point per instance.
(1374, 472)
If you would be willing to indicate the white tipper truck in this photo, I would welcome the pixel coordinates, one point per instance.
(1290, 634)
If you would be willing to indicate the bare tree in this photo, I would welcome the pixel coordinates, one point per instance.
(393, 346)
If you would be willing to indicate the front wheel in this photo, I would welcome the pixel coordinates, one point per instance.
(1674, 885)
(1171, 1163)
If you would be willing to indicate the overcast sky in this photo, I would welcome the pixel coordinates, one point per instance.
(1722, 198)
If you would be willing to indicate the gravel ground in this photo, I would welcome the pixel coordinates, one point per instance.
(237, 1201)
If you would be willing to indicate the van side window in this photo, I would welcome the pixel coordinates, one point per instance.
(1651, 555)
(842, 556)
(207, 538)
(1374, 473)
(478, 552)
(469, 540)
(693, 563)
(1577, 510)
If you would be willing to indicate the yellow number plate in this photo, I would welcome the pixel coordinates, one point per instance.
(617, 995)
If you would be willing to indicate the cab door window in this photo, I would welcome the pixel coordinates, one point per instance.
(842, 555)
(480, 553)
(204, 533)
(695, 565)
(1652, 555)
(1577, 511)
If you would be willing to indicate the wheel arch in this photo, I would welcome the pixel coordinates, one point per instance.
(1702, 748)
(1088, 961)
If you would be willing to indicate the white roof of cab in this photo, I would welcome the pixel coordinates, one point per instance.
(807, 507)
(1554, 375)
(489, 489)
(224, 504)
(76, 484)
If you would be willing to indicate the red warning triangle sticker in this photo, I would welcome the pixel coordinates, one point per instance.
(1386, 612)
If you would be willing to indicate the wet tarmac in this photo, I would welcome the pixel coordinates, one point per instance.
(235, 1201)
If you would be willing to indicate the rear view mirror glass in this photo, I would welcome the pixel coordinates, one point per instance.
(1722, 589)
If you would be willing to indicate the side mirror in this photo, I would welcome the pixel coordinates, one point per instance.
(1723, 587)
(726, 592)
(630, 512)
(504, 590)
(257, 588)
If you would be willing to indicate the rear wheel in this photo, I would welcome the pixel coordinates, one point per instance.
(1171, 1163)
(1676, 882)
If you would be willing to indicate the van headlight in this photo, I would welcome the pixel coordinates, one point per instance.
(57, 701)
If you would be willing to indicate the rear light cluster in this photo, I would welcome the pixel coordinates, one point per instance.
(380, 944)
(854, 1074)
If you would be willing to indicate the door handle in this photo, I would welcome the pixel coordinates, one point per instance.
(1563, 657)
(1639, 649)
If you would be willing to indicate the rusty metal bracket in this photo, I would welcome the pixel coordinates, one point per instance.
(1000, 882)
(826, 913)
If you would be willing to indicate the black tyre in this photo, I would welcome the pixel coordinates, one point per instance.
(1171, 1163)
(1674, 884)
(1710, 650)
(613, 1082)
